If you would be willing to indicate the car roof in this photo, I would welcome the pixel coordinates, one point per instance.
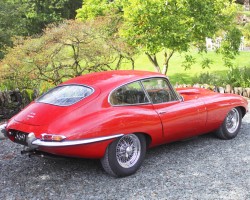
(112, 79)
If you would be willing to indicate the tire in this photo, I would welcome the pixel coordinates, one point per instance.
(125, 155)
(231, 125)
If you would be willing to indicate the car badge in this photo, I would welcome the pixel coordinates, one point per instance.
(31, 115)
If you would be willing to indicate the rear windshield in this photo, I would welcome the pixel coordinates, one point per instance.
(66, 95)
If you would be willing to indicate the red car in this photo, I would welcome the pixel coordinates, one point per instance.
(116, 115)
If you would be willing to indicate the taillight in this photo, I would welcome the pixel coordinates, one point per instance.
(52, 137)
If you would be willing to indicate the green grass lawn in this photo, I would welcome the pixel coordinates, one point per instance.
(177, 72)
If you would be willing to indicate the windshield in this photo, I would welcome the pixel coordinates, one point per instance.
(66, 95)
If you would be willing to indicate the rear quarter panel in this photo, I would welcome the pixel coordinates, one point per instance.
(98, 118)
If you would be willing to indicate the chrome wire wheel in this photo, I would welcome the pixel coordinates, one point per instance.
(232, 120)
(128, 151)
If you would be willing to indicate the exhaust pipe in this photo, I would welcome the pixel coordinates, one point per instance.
(3, 132)
(37, 153)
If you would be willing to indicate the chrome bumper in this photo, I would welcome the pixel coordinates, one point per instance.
(3, 131)
(34, 143)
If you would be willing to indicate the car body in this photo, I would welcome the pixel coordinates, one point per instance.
(116, 115)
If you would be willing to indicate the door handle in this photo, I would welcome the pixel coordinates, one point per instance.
(162, 112)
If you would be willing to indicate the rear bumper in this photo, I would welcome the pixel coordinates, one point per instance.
(86, 148)
(38, 142)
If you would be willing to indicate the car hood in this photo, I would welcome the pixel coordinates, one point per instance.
(40, 114)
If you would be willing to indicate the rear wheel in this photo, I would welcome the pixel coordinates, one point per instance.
(125, 155)
(231, 125)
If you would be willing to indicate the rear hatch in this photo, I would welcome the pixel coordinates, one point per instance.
(55, 103)
(40, 114)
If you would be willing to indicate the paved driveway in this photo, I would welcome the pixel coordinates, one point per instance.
(201, 168)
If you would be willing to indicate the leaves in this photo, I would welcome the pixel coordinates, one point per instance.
(67, 50)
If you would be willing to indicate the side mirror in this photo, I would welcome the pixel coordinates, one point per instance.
(182, 98)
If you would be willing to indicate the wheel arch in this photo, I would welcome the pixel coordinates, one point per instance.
(243, 110)
(147, 137)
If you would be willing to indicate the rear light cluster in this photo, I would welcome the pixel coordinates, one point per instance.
(53, 138)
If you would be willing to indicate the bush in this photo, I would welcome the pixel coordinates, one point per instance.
(236, 77)
(208, 78)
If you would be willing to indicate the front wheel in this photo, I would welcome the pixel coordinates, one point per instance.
(125, 155)
(231, 125)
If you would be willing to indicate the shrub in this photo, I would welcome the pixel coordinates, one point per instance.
(235, 76)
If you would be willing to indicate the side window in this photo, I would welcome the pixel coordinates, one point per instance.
(128, 95)
(159, 90)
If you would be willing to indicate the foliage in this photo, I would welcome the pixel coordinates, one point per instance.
(154, 26)
(29, 17)
(236, 77)
(93, 8)
(175, 25)
(188, 62)
(230, 45)
(11, 23)
(246, 33)
(39, 13)
(208, 78)
(64, 51)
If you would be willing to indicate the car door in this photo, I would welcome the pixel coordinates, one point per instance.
(180, 118)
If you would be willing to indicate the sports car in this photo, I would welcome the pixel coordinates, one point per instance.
(115, 116)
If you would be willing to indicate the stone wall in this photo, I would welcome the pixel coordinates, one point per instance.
(245, 92)
(11, 102)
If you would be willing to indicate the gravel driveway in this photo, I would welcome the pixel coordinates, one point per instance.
(200, 168)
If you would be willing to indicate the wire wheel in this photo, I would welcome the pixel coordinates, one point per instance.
(232, 120)
(128, 151)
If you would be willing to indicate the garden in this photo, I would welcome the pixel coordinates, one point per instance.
(45, 43)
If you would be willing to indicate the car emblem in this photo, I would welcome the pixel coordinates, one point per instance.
(31, 115)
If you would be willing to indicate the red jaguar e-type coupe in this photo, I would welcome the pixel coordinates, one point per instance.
(116, 115)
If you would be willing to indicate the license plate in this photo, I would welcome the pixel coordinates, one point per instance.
(20, 138)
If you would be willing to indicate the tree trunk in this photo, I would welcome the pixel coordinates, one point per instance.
(132, 63)
(153, 60)
(166, 61)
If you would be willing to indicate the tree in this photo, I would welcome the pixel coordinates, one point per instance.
(11, 23)
(40, 13)
(93, 8)
(154, 26)
(64, 51)
(29, 17)
(175, 25)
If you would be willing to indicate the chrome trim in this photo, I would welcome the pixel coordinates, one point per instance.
(31, 137)
(3, 132)
(39, 142)
(128, 151)
(145, 91)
